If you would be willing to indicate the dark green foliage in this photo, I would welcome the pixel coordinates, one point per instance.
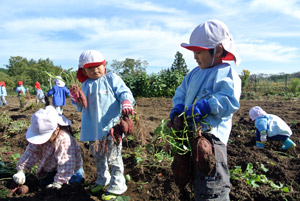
(179, 64)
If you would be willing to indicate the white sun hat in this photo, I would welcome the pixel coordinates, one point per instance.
(43, 123)
(59, 81)
(91, 58)
(256, 112)
(209, 35)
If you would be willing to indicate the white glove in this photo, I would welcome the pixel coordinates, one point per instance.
(263, 136)
(19, 177)
(54, 185)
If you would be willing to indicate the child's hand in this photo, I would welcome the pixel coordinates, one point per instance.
(201, 108)
(19, 177)
(127, 108)
(178, 109)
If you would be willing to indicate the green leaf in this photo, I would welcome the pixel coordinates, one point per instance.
(285, 189)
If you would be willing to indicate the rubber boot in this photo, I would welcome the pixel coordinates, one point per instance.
(260, 145)
(288, 144)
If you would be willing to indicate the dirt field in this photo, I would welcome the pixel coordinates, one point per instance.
(156, 182)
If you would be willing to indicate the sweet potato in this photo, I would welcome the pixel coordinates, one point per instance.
(203, 156)
(130, 127)
(181, 168)
(81, 97)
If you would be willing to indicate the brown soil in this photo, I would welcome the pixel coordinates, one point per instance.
(157, 182)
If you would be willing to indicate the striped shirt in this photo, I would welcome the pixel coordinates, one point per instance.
(62, 155)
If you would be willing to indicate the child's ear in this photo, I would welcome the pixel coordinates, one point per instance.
(219, 50)
(105, 66)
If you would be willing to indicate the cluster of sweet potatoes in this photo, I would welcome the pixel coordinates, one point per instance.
(124, 126)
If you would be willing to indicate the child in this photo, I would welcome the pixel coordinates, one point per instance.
(3, 93)
(270, 127)
(21, 93)
(59, 92)
(39, 93)
(52, 146)
(107, 96)
(215, 87)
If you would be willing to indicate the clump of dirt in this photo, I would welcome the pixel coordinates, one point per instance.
(156, 182)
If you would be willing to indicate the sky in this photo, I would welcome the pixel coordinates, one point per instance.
(266, 32)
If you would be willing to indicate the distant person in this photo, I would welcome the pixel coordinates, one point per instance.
(21, 91)
(40, 96)
(53, 147)
(107, 98)
(3, 93)
(214, 87)
(270, 127)
(59, 92)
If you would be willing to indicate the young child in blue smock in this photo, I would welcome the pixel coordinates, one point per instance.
(216, 88)
(21, 91)
(3, 93)
(107, 98)
(59, 92)
(40, 96)
(270, 127)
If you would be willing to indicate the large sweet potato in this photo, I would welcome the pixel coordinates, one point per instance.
(203, 157)
(81, 97)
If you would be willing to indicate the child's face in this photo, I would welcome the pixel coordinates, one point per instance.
(95, 72)
(203, 58)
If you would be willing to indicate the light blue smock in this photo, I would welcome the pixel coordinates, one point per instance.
(221, 86)
(273, 124)
(20, 88)
(104, 97)
(3, 91)
(40, 94)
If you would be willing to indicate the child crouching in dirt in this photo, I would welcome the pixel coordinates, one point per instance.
(215, 88)
(107, 97)
(270, 127)
(40, 96)
(53, 148)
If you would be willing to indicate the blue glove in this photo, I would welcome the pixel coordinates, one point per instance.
(201, 109)
(178, 109)
(77, 177)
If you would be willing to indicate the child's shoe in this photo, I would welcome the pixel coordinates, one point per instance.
(260, 145)
(97, 188)
(288, 144)
(108, 196)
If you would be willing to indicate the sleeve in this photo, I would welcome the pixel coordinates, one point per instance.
(51, 92)
(226, 93)
(31, 156)
(67, 91)
(17, 89)
(120, 89)
(65, 153)
(261, 124)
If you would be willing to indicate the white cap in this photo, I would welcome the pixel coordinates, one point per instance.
(59, 81)
(43, 123)
(91, 58)
(209, 35)
(256, 112)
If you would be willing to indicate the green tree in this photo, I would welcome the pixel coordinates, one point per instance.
(179, 64)
(244, 77)
(129, 67)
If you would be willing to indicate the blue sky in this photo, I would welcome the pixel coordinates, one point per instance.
(266, 32)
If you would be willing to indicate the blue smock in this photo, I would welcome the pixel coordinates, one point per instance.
(104, 97)
(20, 88)
(273, 124)
(221, 87)
(59, 95)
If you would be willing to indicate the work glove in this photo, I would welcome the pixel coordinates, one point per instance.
(77, 177)
(127, 108)
(54, 185)
(178, 109)
(19, 177)
(201, 109)
(263, 136)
